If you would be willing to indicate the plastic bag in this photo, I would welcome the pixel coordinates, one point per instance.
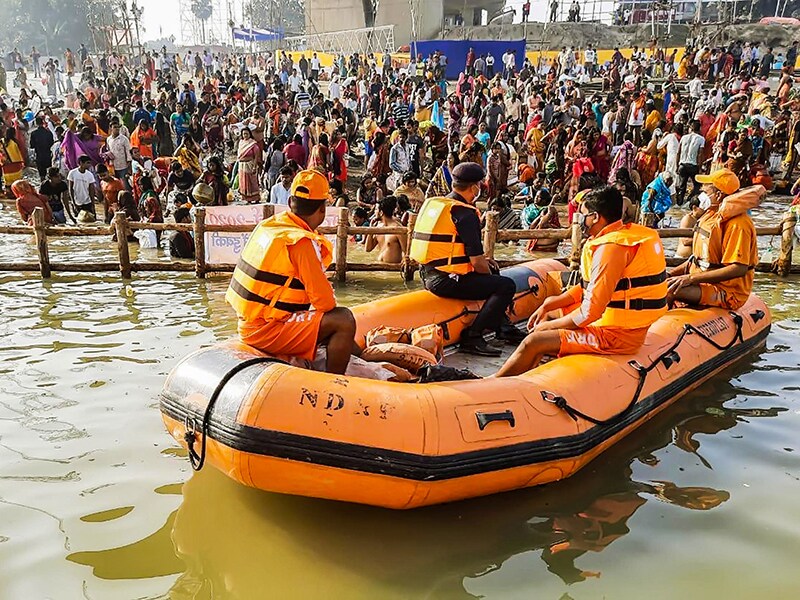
(147, 238)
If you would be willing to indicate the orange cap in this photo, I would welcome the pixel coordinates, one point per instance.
(310, 185)
(724, 180)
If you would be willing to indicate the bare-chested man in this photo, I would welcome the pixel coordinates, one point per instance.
(391, 246)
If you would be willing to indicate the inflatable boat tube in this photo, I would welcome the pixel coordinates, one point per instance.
(402, 445)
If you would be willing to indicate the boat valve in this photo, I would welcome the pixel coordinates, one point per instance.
(671, 358)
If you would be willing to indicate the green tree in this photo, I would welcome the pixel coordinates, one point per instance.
(290, 15)
(50, 25)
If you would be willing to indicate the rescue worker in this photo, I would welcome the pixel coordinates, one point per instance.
(279, 290)
(623, 290)
(447, 243)
(724, 247)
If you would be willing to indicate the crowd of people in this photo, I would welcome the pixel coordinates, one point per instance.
(243, 125)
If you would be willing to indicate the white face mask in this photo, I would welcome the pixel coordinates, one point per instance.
(478, 194)
(705, 200)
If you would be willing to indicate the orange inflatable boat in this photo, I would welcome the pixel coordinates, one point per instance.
(402, 445)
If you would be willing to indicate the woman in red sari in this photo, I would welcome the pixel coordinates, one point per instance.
(379, 161)
(212, 127)
(576, 161)
(320, 158)
(598, 142)
(339, 162)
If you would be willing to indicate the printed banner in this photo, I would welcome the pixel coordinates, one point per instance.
(224, 248)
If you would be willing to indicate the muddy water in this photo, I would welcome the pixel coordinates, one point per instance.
(97, 502)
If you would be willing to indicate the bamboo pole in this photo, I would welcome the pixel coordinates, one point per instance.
(268, 210)
(577, 245)
(506, 235)
(412, 220)
(87, 267)
(164, 266)
(161, 226)
(20, 266)
(341, 244)
(409, 264)
(375, 267)
(79, 231)
(375, 230)
(490, 234)
(56, 231)
(123, 250)
(342, 231)
(200, 243)
(784, 264)
(229, 227)
(40, 234)
(17, 229)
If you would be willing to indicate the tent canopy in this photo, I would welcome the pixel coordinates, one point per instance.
(254, 34)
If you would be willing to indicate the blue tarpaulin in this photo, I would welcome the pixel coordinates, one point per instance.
(253, 34)
(456, 52)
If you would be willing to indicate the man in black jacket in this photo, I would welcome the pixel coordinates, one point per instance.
(41, 142)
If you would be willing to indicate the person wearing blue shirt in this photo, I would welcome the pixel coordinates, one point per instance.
(598, 112)
(141, 113)
(188, 99)
(259, 89)
(656, 200)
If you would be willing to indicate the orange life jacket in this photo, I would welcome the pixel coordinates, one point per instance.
(710, 229)
(640, 297)
(265, 283)
(435, 242)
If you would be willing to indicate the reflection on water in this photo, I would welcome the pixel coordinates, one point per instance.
(92, 492)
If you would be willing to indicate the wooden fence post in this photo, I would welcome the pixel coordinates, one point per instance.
(577, 244)
(200, 242)
(121, 229)
(409, 265)
(787, 244)
(341, 244)
(490, 234)
(267, 211)
(40, 234)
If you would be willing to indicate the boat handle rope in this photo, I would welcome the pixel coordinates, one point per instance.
(190, 435)
(668, 357)
(466, 311)
(443, 324)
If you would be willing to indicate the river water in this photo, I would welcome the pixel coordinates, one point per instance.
(97, 501)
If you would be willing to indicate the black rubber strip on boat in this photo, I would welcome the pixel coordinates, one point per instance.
(417, 467)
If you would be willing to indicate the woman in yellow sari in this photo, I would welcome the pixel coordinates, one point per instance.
(647, 162)
(188, 154)
(535, 144)
(11, 160)
(683, 67)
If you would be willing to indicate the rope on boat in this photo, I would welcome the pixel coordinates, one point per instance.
(190, 436)
(668, 357)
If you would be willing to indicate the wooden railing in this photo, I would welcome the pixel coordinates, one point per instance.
(122, 227)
